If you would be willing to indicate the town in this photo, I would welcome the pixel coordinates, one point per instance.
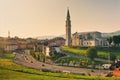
(52, 52)
(90, 55)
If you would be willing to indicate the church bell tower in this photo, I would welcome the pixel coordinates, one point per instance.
(68, 29)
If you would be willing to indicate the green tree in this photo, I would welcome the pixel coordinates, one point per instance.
(117, 57)
(80, 61)
(93, 64)
(42, 56)
(33, 53)
(74, 62)
(54, 52)
(109, 39)
(62, 61)
(38, 57)
(115, 40)
(91, 53)
(68, 61)
(112, 56)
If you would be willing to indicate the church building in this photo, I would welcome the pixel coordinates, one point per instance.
(68, 30)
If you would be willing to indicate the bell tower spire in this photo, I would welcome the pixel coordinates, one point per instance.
(68, 13)
(68, 29)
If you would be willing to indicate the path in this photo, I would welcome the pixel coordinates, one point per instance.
(28, 61)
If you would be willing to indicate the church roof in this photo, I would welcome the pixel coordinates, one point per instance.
(79, 33)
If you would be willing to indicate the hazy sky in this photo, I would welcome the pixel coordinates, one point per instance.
(31, 18)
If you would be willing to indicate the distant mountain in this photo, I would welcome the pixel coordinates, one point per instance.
(103, 35)
(115, 33)
(111, 34)
(49, 37)
(45, 37)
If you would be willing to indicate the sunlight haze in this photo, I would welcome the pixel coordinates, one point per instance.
(32, 18)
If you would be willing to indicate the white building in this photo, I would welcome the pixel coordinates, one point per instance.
(49, 50)
(57, 49)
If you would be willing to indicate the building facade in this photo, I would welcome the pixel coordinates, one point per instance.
(86, 39)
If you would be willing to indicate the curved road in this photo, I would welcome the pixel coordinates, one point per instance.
(28, 61)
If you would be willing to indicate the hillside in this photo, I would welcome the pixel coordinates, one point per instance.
(102, 52)
(17, 72)
(111, 34)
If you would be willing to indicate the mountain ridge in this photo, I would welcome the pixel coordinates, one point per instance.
(103, 35)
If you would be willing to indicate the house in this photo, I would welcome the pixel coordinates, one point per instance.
(57, 41)
(49, 46)
(8, 44)
(3, 44)
(11, 44)
(11, 47)
(49, 50)
(22, 44)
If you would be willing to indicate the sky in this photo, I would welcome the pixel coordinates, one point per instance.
(32, 18)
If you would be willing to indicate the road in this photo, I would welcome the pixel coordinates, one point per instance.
(28, 61)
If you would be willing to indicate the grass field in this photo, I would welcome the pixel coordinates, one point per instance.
(12, 71)
(101, 52)
(74, 50)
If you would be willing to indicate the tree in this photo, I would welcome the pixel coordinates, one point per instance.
(38, 57)
(91, 53)
(62, 61)
(80, 61)
(112, 56)
(55, 52)
(68, 61)
(109, 39)
(116, 40)
(33, 53)
(93, 64)
(74, 62)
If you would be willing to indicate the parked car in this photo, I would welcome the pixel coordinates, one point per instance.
(106, 66)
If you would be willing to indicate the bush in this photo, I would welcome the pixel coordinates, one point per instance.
(91, 53)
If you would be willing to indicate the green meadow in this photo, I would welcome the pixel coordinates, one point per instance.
(74, 50)
(101, 52)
